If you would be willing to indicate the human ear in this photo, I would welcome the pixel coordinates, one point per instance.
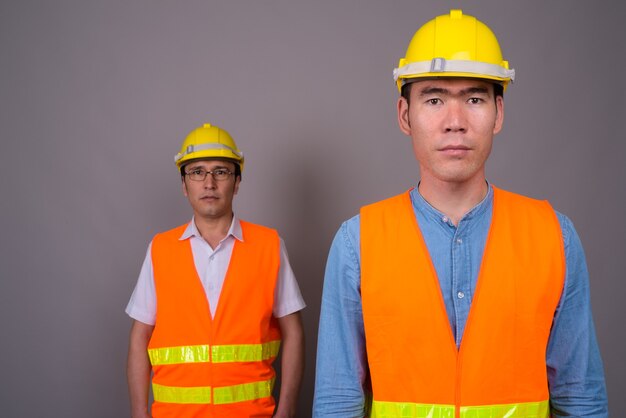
(403, 116)
(236, 186)
(497, 127)
(184, 185)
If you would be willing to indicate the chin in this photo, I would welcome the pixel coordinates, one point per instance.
(458, 178)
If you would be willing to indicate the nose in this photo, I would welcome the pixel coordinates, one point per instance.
(455, 120)
(209, 182)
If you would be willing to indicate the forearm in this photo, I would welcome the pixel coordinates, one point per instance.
(138, 370)
(292, 365)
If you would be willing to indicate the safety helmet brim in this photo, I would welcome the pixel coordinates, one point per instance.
(209, 142)
(456, 46)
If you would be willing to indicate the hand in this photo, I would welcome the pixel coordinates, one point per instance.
(285, 415)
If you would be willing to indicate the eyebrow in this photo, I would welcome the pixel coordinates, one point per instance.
(439, 90)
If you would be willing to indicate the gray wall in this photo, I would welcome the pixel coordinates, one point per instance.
(96, 96)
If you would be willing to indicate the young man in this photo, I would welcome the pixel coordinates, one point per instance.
(456, 299)
(213, 301)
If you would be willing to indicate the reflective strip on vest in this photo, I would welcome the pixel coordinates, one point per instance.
(173, 394)
(221, 395)
(410, 410)
(514, 410)
(416, 410)
(176, 355)
(244, 392)
(219, 353)
(244, 352)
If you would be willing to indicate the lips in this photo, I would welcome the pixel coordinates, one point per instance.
(459, 147)
(455, 150)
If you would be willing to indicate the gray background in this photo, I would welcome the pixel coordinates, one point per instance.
(96, 97)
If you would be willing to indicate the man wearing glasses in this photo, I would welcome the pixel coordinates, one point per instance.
(215, 300)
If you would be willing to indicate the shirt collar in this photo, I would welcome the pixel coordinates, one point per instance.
(235, 230)
(420, 204)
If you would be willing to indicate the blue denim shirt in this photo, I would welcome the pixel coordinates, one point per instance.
(575, 373)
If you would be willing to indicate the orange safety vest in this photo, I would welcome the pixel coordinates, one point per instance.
(500, 368)
(221, 366)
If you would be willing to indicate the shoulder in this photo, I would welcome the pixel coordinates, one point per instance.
(567, 230)
(259, 234)
(566, 226)
(516, 198)
(524, 209)
(174, 233)
(347, 237)
(257, 227)
(350, 228)
(386, 204)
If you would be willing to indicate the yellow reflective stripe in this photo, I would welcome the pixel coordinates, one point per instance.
(221, 395)
(410, 410)
(219, 353)
(173, 394)
(514, 410)
(182, 354)
(244, 352)
(244, 392)
(416, 410)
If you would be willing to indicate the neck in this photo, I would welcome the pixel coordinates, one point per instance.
(213, 230)
(454, 199)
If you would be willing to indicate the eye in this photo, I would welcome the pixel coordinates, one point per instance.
(221, 174)
(198, 172)
(475, 100)
(433, 101)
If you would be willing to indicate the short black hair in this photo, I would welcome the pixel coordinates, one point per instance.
(237, 166)
(405, 91)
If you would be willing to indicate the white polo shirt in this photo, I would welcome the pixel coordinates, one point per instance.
(211, 266)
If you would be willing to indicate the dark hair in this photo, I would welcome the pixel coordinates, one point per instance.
(405, 91)
(498, 90)
(237, 167)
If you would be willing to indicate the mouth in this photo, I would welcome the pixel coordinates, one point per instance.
(455, 150)
(208, 198)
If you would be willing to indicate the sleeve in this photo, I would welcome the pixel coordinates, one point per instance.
(142, 303)
(342, 375)
(287, 296)
(575, 371)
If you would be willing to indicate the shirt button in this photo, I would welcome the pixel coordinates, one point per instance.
(444, 219)
(460, 295)
(459, 241)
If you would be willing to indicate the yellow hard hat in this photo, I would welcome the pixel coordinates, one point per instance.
(209, 141)
(454, 45)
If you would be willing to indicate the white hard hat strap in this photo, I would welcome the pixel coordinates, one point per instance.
(203, 147)
(441, 65)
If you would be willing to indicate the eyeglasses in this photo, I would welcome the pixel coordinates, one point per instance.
(200, 174)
